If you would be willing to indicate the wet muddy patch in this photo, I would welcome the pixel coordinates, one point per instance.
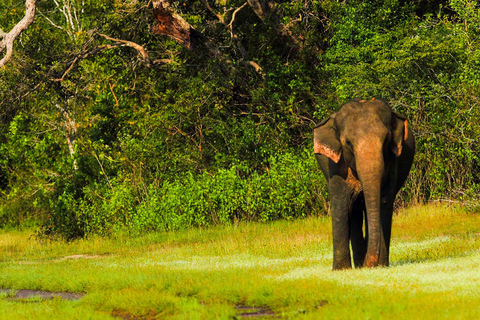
(39, 295)
(245, 312)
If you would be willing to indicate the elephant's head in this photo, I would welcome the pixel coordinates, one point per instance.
(365, 136)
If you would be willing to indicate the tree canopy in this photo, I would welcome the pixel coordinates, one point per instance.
(134, 116)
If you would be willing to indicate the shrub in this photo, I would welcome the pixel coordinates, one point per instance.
(290, 186)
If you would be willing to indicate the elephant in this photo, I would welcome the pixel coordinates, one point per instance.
(365, 150)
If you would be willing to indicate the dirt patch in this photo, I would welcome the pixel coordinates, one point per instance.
(253, 312)
(321, 303)
(39, 294)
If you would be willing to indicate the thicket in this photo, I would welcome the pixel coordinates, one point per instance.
(93, 140)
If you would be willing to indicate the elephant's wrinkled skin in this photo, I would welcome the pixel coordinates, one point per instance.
(365, 151)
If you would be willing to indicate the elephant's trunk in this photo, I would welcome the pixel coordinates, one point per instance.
(370, 168)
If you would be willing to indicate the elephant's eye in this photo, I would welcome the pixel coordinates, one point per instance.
(349, 143)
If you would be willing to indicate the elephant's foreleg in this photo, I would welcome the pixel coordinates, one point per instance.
(359, 244)
(340, 196)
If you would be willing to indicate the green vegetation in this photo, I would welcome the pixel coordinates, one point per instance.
(283, 267)
(94, 140)
(179, 182)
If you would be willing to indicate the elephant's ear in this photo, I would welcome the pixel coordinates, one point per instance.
(399, 133)
(325, 140)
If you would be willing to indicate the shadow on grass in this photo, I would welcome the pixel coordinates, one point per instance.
(427, 258)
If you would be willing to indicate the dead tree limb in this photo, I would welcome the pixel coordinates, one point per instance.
(173, 25)
(140, 49)
(266, 10)
(9, 37)
(257, 68)
(230, 25)
(235, 37)
(218, 15)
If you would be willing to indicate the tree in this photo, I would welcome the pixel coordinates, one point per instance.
(9, 38)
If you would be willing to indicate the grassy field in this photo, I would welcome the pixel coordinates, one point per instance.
(277, 270)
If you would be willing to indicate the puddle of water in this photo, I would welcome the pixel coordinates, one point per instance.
(39, 294)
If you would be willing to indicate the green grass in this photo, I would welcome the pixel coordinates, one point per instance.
(284, 266)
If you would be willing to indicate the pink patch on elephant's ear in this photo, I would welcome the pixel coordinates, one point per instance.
(398, 149)
(405, 134)
(318, 147)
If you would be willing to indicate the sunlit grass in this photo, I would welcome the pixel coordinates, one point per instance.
(286, 265)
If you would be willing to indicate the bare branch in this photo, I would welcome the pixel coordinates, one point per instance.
(164, 61)
(113, 93)
(141, 50)
(9, 38)
(70, 14)
(218, 15)
(172, 25)
(267, 10)
(253, 64)
(230, 25)
(50, 21)
(257, 68)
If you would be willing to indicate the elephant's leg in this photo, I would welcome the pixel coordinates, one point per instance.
(386, 222)
(340, 197)
(359, 244)
(387, 198)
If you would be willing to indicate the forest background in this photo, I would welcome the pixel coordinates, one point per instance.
(111, 124)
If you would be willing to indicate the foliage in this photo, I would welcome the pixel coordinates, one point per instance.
(290, 187)
(93, 140)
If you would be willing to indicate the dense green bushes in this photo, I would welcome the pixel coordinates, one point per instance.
(291, 186)
(201, 137)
